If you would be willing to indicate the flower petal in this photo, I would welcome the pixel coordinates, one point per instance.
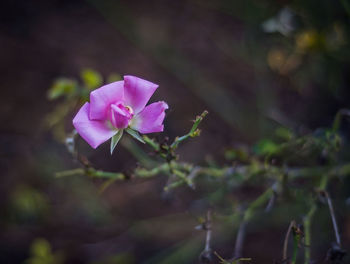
(150, 119)
(137, 92)
(93, 131)
(102, 98)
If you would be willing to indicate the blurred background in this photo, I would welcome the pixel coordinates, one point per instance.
(255, 65)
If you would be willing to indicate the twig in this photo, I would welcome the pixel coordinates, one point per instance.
(307, 222)
(194, 172)
(271, 202)
(339, 115)
(286, 240)
(240, 240)
(307, 233)
(104, 174)
(206, 255)
(78, 171)
(334, 221)
(208, 229)
(224, 261)
(272, 198)
(193, 132)
(272, 172)
(151, 142)
(258, 202)
(248, 215)
(297, 238)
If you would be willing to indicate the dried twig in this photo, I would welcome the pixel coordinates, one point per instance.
(208, 229)
(240, 240)
(286, 240)
(334, 221)
(206, 255)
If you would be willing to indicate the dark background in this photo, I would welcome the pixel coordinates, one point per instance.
(212, 55)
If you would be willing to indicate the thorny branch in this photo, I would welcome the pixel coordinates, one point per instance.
(181, 173)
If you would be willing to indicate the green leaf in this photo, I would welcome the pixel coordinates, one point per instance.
(115, 139)
(91, 78)
(40, 247)
(239, 154)
(265, 147)
(284, 133)
(60, 87)
(135, 135)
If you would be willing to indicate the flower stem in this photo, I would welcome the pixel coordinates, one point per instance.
(193, 132)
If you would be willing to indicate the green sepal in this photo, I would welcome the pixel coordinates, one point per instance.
(115, 139)
(135, 135)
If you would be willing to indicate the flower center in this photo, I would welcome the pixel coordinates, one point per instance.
(131, 111)
(120, 115)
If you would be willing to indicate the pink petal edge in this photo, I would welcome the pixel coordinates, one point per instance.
(137, 92)
(94, 132)
(150, 119)
(102, 98)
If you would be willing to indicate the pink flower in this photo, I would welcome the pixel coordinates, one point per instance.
(118, 106)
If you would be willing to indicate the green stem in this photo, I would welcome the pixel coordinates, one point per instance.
(286, 240)
(261, 200)
(105, 174)
(307, 233)
(295, 249)
(138, 152)
(193, 132)
(145, 173)
(173, 185)
(153, 144)
(308, 222)
(340, 113)
(74, 172)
